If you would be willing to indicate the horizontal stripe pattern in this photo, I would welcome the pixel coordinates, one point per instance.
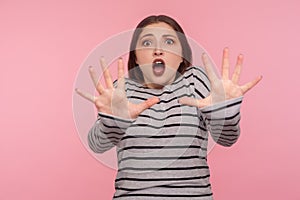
(163, 153)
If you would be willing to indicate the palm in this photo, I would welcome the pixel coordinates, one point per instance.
(224, 88)
(113, 100)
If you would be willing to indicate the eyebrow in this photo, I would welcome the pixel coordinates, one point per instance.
(150, 34)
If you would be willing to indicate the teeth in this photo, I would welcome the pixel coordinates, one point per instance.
(158, 62)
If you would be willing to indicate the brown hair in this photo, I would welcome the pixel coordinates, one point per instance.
(134, 71)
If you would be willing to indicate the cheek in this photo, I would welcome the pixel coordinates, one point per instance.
(174, 50)
(175, 61)
(146, 71)
(143, 56)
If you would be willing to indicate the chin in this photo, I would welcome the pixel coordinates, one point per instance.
(160, 82)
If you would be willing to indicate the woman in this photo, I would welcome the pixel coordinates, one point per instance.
(159, 117)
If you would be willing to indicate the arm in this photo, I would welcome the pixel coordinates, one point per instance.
(222, 118)
(115, 112)
(222, 121)
(219, 100)
(107, 131)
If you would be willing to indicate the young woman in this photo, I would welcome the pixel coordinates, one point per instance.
(160, 117)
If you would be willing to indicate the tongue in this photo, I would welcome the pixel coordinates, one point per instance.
(158, 69)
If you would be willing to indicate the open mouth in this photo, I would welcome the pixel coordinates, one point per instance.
(158, 67)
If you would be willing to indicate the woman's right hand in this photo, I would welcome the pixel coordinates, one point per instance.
(111, 100)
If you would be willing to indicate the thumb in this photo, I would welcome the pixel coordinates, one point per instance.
(146, 104)
(200, 103)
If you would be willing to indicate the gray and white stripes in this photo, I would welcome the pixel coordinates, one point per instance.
(162, 153)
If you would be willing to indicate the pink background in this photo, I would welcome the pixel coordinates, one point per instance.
(43, 43)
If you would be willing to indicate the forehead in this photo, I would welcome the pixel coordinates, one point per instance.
(158, 29)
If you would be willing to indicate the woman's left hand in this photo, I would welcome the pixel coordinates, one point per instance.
(224, 88)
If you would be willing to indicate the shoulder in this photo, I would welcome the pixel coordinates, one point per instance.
(133, 85)
(129, 83)
(197, 71)
(198, 76)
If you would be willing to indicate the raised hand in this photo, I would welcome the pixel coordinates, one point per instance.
(111, 100)
(224, 88)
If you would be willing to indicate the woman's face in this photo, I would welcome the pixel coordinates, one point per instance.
(158, 54)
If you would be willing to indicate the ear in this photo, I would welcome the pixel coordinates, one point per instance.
(181, 60)
(135, 59)
(137, 62)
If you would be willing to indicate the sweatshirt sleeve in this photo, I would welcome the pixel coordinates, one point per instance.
(107, 131)
(221, 119)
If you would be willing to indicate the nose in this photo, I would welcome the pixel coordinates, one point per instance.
(158, 51)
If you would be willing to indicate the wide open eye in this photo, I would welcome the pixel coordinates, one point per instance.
(169, 41)
(147, 43)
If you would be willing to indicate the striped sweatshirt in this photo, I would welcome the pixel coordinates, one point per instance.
(162, 154)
